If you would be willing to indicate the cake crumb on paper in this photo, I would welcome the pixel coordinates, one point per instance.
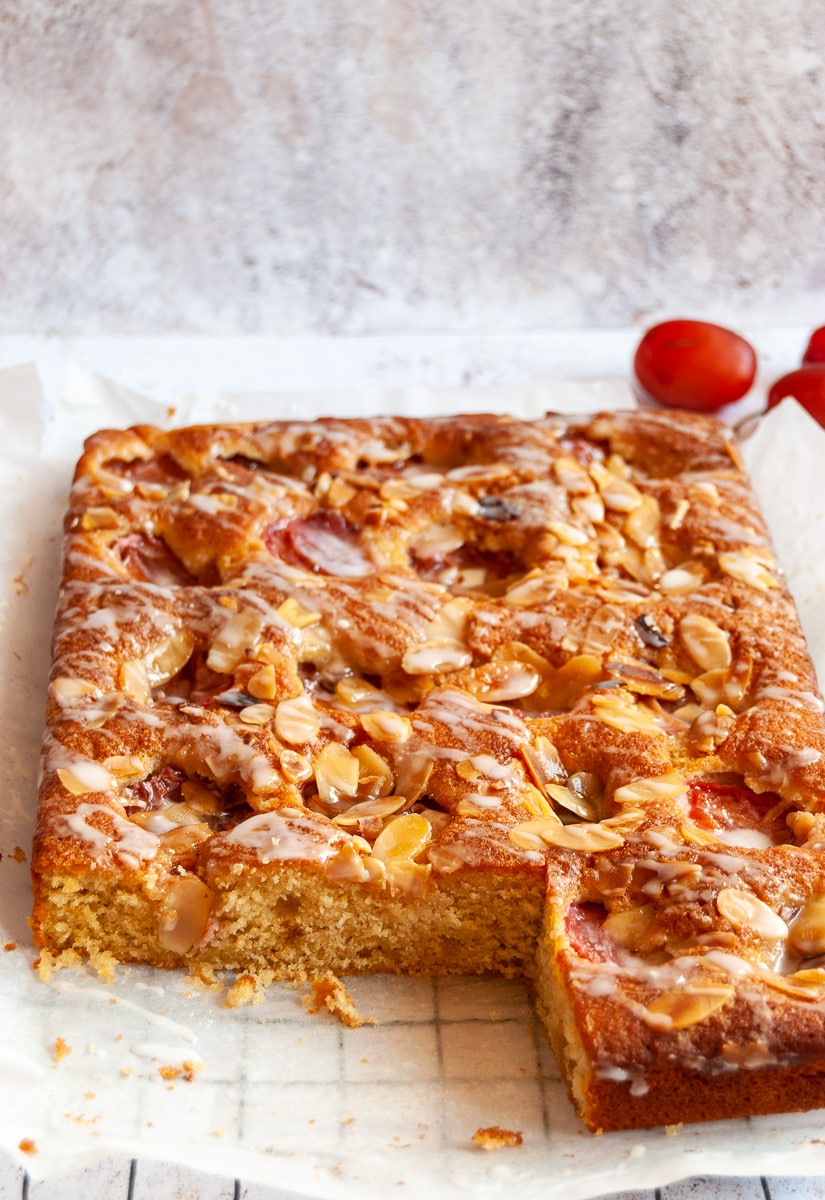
(493, 1137)
(27, 1145)
(673, 1130)
(330, 993)
(61, 1049)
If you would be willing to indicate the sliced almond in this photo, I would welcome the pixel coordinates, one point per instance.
(746, 568)
(296, 767)
(347, 866)
(263, 685)
(706, 643)
(802, 985)
(351, 689)
(620, 495)
(381, 806)
(743, 910)
(529, 835)
(590, 508)
(184, 914)
(570, 801)
(337, 772)
(375, 777)
(629, 926)
(572, 476)
(297, 721)
(642, 525)
(66, 688)
(545, 831)
(686, 1007)
(496, 682)
(569, 534)
(434, 656)
(684, 578)
(406, 837)
(85, 777)
(297, 614)
(570, 681)
(164, 661)
(133, 679)
(627, 717)
(543, 762)
(650, 790)
(256, 714)
(807, 930)
(386, 726)
(237, 638)
(585, 837)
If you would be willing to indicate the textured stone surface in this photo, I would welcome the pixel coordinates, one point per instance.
(329, 166)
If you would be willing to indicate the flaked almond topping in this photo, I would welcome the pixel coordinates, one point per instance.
(297, 614)
(351, 689)
(677, 517)
(375, 777)
(179, 814)
(705, 642)
(386, 726)
(495, 682)
(697, 835)
(66, 688)
(405, 837)
(803, 985)
(296, 767)
(644, 681)
(807, 930)
(572, 476)
(126, 766)
(684, 578)
(591, 507)
(85, 777)
(337, 771)
(101, 517)
(567, 533)
(236, 639)
(451, 620)
(630, 925)
(184, 914)
(543, 762)
(380, 806)
(256, 714)
(529, 835)
(199, 798)
(620, 495)
(570, 681)
(347, 866)
(572, 802)
(184, 838)
(297, 720)
(686, 1007)
(133, 679)
(617, 710)
(536, 587)
(436, 541)
(746, 911)
(535, 802)
(408, 878)
(650, 790)
(585, 837)
(642, 525)
(263, 685)
(439, 654)
(747, 568)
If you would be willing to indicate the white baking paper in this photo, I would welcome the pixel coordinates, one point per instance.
(151, 1066)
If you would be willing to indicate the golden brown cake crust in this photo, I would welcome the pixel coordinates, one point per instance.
(452, 694)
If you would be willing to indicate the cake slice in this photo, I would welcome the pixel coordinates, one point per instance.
(460, 694)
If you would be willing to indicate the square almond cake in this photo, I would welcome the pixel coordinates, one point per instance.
(461, 694)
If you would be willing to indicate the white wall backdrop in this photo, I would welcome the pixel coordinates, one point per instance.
(385, 166)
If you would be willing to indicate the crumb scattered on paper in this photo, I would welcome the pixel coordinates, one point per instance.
(18, 854)
(496, 1138)
(61, 1049)
(27, 1146)
(330, 993)
(672, 1130)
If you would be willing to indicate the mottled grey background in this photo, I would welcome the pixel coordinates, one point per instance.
(381, 166)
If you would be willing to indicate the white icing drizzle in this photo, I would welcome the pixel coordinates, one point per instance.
(286, 835)
(130, 843)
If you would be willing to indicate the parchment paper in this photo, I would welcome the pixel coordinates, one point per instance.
(152, 1066)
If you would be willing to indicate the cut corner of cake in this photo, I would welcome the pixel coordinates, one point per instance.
(464, 694)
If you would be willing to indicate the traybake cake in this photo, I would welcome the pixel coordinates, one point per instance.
(468, 694)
